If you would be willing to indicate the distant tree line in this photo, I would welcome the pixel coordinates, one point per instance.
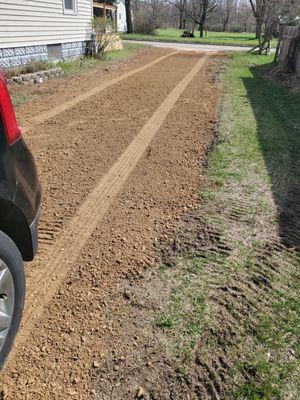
(259, 16)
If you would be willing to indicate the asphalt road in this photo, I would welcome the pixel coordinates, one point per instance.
(190, 46)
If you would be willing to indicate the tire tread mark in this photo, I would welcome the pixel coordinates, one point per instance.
(64, 251)
(43, 117)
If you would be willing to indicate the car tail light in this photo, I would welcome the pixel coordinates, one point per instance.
(12, 129)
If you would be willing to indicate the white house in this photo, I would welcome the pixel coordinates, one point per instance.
(121, 15)
(50, 29)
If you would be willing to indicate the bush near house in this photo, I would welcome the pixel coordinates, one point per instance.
(30, 67)
(105, 36)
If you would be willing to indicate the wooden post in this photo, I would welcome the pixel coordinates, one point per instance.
(116, 19)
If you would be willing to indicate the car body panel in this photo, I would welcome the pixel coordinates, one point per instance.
(28, 192)
(20, 194)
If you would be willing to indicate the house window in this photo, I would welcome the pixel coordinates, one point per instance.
(70, 6)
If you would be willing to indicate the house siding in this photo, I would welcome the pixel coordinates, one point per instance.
(28, 26)
(41, 22)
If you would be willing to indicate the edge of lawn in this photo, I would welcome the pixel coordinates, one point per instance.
(247, 274)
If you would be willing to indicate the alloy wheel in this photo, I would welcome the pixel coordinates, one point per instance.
(7, 298)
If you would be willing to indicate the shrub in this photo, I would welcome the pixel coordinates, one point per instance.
(103, 29)
(144, 23)
(31, 66)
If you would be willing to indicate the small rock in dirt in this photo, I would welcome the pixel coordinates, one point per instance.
(140, 392)
(127, 295)
(4, 394)
(38, 79)
(30, 382)
(96, 364)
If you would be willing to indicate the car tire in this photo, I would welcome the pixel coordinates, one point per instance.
(12, 302)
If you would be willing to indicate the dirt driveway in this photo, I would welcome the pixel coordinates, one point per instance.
(118, 154)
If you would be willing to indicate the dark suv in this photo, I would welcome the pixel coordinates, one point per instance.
(20, 197)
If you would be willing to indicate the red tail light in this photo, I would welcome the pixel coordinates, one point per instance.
(12, 129)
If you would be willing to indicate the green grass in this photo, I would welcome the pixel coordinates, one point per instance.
(221, 38)
(81, 65)
(255, 163)
(186, 311)
(260, 129)
(165, 320)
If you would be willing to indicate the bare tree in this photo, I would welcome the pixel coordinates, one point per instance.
(156, 8)
(199, 10)
(271, 13)
(181, 6)
(232, 16)
(245, 16)
(227, 8)
(260, 9)
(170, 16)
(149, 15)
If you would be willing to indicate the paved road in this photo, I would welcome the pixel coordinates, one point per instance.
(190, 46)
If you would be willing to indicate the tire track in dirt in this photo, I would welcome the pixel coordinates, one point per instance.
(67, 247)
(84, 96)
(239, 298)
(93, 136)
(87, 319)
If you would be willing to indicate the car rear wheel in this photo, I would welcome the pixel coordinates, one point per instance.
(12, 293)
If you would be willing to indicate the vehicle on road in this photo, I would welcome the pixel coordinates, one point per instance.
(20, 197)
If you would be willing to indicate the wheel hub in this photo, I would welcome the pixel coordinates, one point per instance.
(7, 298)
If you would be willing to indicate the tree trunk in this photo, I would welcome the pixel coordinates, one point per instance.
(258, 29)
(181, 23)
(201, 29)
(128, 16)
(277, 49)
(280, 37)
(225, 22)
(203, 18)
(193, 28)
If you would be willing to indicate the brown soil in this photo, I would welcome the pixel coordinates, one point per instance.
(81, 333)
(56, 91)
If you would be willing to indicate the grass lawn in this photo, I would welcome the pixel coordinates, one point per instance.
(233, 311)
(174, 35)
